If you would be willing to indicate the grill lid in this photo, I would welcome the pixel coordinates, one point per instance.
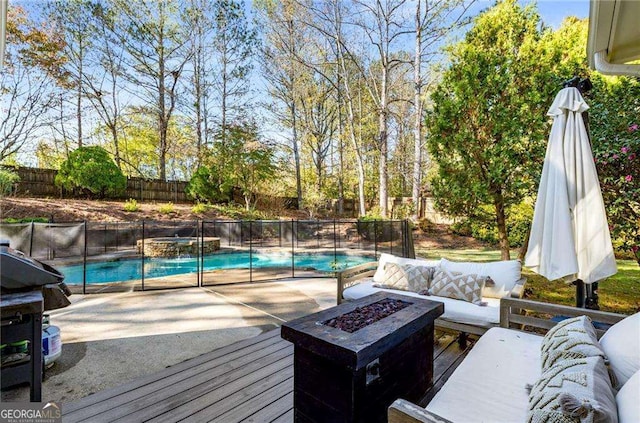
(18, 271)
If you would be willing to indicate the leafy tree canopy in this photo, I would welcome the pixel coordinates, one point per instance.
(93, 170)
(488, 122)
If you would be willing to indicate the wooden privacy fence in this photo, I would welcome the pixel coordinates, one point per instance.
(41, 183)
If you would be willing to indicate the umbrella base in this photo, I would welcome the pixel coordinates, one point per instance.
(587, 295)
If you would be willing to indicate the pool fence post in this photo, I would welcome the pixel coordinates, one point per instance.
(293, 251)
(280, 233)
(31, 238)
(317, 233)
(390, 235)
(142, 255)
(200, 238)
(84, 261)
(375, 237)
(335, 246)
(251, 251)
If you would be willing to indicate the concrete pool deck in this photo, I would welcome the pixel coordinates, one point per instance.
(109, 339)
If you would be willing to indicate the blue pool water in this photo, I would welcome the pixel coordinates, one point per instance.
(125, 270)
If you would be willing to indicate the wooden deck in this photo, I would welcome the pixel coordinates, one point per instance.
(249, 381)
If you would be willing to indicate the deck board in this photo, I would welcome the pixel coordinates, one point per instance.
(248, 381)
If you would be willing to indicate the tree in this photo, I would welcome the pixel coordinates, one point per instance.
(384, 25)
(33, 63)
(75, 20)
(283, 41)
(489, 113)
(615, 137)
(233, 43)
(154, 40)
(93, 170)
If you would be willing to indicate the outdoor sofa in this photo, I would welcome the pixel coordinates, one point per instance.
(565, 376)
(466, 317)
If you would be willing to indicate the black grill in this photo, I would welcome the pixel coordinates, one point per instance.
(27, 288)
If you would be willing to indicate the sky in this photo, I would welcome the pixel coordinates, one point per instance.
(552, 12)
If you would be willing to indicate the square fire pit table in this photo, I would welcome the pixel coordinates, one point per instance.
(353, 377)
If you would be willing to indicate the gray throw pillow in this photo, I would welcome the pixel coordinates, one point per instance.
(406, 277)
(466, 287)
(571, 338)
(573, 391)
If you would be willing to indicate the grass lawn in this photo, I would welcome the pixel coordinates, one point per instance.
(620, 293)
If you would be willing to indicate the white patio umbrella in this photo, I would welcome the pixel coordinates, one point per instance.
(569, 234)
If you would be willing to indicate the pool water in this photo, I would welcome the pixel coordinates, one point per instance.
(126, 270)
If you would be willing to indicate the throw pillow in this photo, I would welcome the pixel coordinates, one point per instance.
(385, 258)
(466, 287)
(571, 338)
(573, 391)
(406, 277)
(505, 274)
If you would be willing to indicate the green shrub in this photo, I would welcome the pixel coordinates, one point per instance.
(519, 218)
(426, 225)
(205, 186)
(199, 208)
(91, 169)
(26, 220)
(462, 227)
(7, 180)
(235, 211)
(483, 227)
(131, 205)
(166, 208)
(404, 211)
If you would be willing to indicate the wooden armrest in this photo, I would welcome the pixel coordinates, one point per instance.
(352, 275)
(402, 411)
(511, 313)
(518, 288)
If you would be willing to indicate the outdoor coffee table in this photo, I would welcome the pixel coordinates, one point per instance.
(354, 377)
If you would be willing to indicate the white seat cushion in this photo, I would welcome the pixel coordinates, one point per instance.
(454, 310)
(627, 400)
(505, 274)
(489, 384)
(621, 344)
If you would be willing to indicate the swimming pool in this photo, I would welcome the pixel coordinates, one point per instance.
(126, 270)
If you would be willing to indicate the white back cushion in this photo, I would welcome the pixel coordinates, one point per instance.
(628, 400)
(504, 273)
(621, 344)
(385, 258)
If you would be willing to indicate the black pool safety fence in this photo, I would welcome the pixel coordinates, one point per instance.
(144, 255)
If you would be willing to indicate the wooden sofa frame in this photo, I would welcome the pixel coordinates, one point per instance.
(511, 315)
(354, 275)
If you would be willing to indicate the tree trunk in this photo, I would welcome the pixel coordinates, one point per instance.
(383, 143)
(296, 152)
(223, 111)
(417, 129)
(501, 221)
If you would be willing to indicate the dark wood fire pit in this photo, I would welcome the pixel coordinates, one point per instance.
(352, 361)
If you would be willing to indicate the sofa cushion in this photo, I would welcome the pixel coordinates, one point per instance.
(378, 277)
(576, 390)
(505, 274)
(407, 277)
(627, 400)
(621, 344)
(569, 339)
(466, 287)
(489, 384)
(454, 310)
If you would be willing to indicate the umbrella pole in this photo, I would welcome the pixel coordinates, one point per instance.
(580, 294)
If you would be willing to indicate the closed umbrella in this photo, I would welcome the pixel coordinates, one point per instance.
(569, 234)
